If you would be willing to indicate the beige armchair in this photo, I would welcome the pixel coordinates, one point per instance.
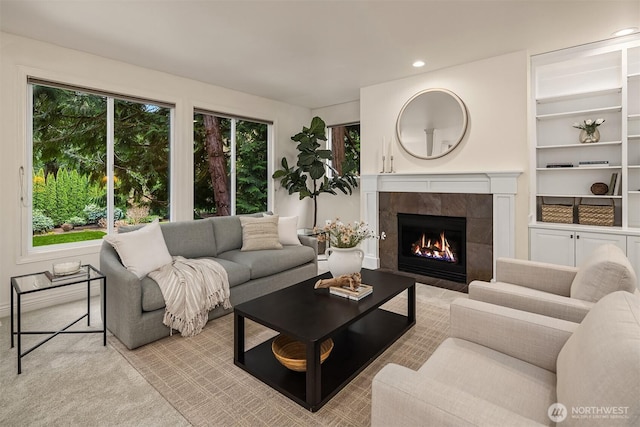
(558, 291)
(502, 366)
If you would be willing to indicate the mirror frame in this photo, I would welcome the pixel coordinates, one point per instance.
(458, 139)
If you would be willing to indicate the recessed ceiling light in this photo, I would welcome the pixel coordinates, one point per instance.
(418, 64)
(625, 31)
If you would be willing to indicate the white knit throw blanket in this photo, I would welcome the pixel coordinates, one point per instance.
(191, 288)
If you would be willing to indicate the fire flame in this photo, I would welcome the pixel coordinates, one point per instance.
(437, 249)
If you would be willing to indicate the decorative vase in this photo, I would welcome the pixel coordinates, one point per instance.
(586, 137)
(344, 260)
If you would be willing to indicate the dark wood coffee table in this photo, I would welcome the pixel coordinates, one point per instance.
(360, 330)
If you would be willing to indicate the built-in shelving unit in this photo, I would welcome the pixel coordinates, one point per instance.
(601, 80)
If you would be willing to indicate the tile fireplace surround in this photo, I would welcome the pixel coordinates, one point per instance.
(383, 195)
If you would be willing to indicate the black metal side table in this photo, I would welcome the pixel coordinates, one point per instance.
(37, 282)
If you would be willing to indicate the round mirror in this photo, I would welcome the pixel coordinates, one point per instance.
(432, 123)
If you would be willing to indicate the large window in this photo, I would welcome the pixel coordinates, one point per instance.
(344, 143)
(80, 138)
(230, 165)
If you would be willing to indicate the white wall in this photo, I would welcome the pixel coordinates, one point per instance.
(21, 57)
(495, 93)
(339, 114)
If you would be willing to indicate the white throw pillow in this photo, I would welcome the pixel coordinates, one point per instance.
(288, 230)
(141, 251)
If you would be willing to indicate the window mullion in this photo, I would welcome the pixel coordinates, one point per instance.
(110, 163)
(233, 166)
(28, 172)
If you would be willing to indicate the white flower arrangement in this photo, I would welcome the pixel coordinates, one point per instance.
(342, 235)
(589, 125)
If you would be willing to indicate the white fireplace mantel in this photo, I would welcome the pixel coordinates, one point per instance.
(502, 185)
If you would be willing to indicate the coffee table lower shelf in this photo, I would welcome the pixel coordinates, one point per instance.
(354, 349)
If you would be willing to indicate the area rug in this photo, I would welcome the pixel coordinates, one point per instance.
(197, 376)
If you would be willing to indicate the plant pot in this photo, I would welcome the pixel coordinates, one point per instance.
(344, 260)
(587, 138)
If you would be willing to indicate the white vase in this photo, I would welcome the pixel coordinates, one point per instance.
(344, 260)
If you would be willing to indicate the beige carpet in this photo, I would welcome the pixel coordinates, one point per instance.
(197, 375)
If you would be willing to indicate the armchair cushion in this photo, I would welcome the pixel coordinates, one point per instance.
(600, 364)
(499, 379)
(400, 397)
(403, 397)
(606, 270)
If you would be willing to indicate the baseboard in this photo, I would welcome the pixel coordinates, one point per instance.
(50, 298)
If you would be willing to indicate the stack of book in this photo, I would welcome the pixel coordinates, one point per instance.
(593, 163)
(560, 165)
(346, 292)
(615, 185)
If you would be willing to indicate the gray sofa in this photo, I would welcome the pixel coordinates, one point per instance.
(135, 307)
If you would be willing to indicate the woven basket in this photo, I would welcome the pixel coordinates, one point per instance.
(596, 214)
(293, 354)
(557, 213)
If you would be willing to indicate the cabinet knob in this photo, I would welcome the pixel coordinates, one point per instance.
(571, 236)
(577, 236)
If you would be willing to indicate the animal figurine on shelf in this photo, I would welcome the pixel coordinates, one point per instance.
(352, 280)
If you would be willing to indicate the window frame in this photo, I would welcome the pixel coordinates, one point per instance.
(26, 183)
(329, 145)
(233, 155)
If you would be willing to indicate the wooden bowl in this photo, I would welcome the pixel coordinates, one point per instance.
(293, 354)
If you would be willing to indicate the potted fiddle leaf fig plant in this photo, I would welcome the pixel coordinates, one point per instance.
(309, 177)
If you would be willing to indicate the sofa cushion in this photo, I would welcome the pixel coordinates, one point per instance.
(152, 298)
(141, 251)
(599, 366)
(260, 233)
(271, 261)
(228, 232)
(502, 380)
(606, 270)
(190, 239)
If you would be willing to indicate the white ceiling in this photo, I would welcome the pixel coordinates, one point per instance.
(312, 53)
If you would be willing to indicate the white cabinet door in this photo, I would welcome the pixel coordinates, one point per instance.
(553, 246)
(633, 253)
(566, 247)
(586, 243)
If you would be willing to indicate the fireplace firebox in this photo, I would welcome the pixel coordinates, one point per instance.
(433, 246)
